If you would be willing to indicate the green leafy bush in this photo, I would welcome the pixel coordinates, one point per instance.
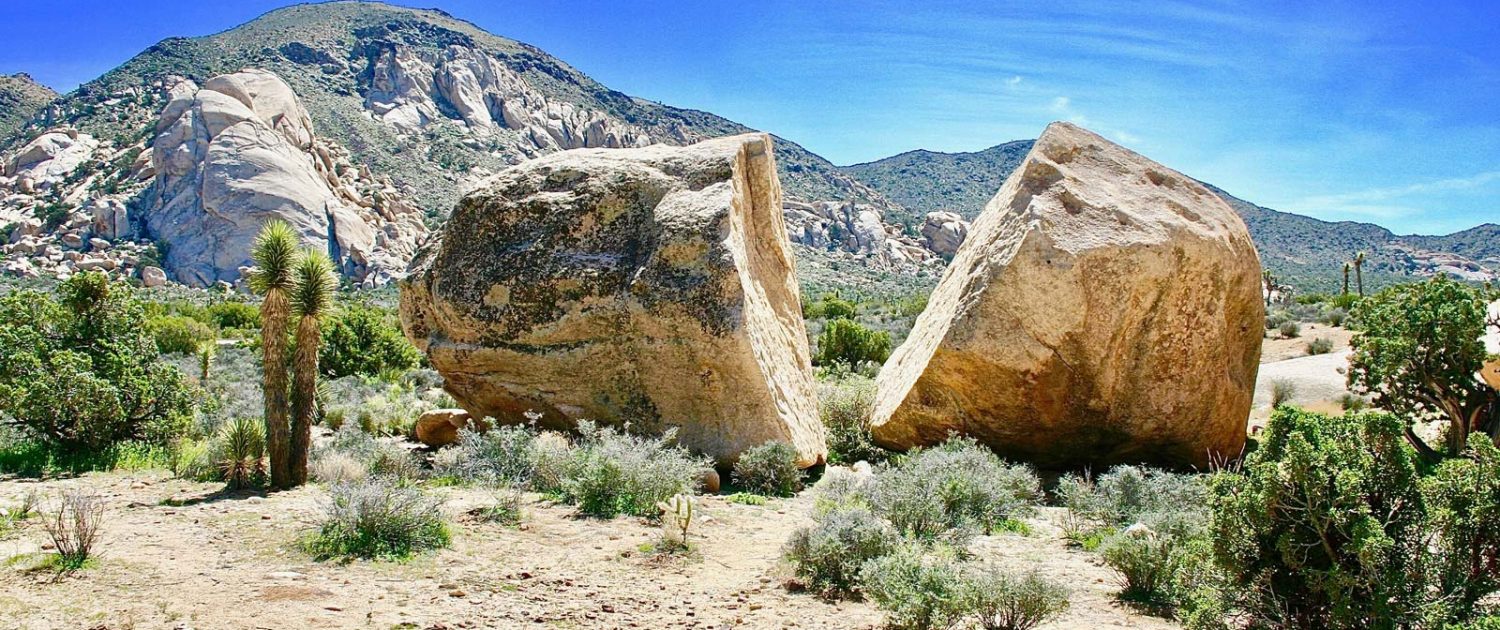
(80, 371)
(827, 556)
(848, 342)
(361, 339)
(769, 469)
(233, 315)
(829, 307)
(845, 404)
(955, 487)
(1325, 528)
(1150, 556)
(1417, 352)
(378, 518)
(179, 334)
(999, 600)
(916, 590)
(611, 473)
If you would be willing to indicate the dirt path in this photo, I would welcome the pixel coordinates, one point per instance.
(232, 562)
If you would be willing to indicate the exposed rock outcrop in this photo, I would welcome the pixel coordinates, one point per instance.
(943, 232)
(1103, 309)
(649, 286)
(856, 228)
(241, 151)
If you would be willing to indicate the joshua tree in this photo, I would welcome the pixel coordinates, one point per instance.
(1270, 284)
(275, 255)
(1346, 279)
(311, 297)
(1359, 276)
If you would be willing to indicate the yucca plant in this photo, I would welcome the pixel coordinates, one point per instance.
(206, 352)
(242, 452)
(311, 298)
(275, 255)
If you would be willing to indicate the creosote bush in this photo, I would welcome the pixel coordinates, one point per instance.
(769, 470)
(378, 518)
(610, 472)
(827, 557)
(851, 343)
(956, 487)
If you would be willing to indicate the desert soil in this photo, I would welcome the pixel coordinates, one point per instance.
(179, 554)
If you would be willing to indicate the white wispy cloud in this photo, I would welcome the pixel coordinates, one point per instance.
(1013, 81)
(1367, 196)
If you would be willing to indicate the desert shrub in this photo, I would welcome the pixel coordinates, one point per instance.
(1289, 329)
(1325, 526)
(916, 590)
(769, 469)
(382, 458)
(999, 600)
(1462, 498)
(956, 486)
(1150, 555)
(1275, 319)
(1334, 317)
(1346, 301)
(1282, 392)
(502, 455)
(378, 518)
(848, 342)
(335, 467)
(360, 339)
(1321, 345)
(182, 335)
(73, 527)
(845, 405)
(506, 509)
(233, 315)
(611, 473)
(829, 307)
(841, 488)
(80, 371)
(827, 556)
(551, 458)
(240, 451)
(1097, 507)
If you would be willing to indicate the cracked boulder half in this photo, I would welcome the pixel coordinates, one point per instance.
(651, 286)
(1103, 309)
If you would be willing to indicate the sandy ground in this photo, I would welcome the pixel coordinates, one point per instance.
(232, 562)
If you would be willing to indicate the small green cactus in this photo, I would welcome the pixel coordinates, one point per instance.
(676, 519)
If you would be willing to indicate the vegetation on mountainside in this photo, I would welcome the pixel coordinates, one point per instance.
(21, 98)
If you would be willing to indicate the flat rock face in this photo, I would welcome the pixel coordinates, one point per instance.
(240, 151)
(650, 286)
(1102, 309)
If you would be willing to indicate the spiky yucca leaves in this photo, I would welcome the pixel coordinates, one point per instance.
(275, 255)
(311, 299)
(242, 452)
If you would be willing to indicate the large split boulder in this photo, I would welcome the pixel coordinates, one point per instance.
(1102, 309)
(651, 286)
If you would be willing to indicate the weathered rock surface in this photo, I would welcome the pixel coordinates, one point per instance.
(649, 286)
(241, 151)
(440, 427)
(49, 158)
(1103, 309)
(853, 227)
(944, 232)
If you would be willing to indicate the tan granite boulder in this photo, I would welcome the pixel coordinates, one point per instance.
(650, 286)
(1102, 309)
(440, 427)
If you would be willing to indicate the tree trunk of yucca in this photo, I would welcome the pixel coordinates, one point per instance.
(274, 313)
(304, 396)
(1359, 278)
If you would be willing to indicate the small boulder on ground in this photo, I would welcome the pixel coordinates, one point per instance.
(440, 427)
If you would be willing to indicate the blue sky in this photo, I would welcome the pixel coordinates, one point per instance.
(1374, 111)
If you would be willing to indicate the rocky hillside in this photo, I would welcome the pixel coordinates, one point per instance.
(20, 99)
(1305, 252)
(930, 181)
(435, 104)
